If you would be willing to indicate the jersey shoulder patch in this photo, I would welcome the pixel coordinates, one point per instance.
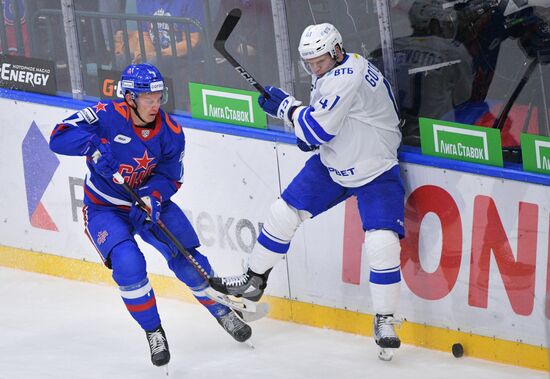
(89, 115)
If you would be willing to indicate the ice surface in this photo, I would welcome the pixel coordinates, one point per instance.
(57, 328)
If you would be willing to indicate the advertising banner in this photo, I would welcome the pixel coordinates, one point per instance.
(535, 152)
(226, 105)
(474, 257)
(27, 74)
(460, 141)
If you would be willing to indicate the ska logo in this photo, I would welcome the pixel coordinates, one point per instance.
(39, 165)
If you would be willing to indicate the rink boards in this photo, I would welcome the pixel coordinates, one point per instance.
(474, 262)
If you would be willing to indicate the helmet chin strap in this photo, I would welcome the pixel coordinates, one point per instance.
(338, 63)
(135, 109)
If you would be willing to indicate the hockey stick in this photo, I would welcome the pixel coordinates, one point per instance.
(501, 119)
(219, 44)
(120, 180)
(251, 311)
(513, 153)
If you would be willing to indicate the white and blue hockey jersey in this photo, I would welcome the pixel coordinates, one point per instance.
(353, 118)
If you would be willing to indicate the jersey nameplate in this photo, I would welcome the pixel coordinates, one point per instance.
(89, 115)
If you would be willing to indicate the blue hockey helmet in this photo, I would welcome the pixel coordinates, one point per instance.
(142, 78)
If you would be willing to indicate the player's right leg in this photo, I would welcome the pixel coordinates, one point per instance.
(226, 317)
(272, 244)
(310, 193)
(110, 233)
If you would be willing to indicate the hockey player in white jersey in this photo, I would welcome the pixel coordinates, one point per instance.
(352, 123)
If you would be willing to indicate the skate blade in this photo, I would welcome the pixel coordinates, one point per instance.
(249, 344)
(385, 353)
(165, 367)
(251, 311)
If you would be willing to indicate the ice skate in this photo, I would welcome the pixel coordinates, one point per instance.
(385, 336)
(160, 354)
(248, 285)
(235, 326)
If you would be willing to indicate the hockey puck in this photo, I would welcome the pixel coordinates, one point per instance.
(458, 350)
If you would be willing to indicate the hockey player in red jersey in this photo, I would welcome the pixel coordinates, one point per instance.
(137, 139)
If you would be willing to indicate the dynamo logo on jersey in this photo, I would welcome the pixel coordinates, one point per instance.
(39, 165)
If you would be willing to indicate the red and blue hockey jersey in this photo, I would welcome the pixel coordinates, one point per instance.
(152, 156)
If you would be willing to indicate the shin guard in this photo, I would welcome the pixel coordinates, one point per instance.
(383, 252)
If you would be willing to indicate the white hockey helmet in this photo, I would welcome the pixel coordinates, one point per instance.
(319, 39)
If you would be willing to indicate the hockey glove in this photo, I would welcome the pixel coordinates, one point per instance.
(304, 146)
(103, 160)
(144, 219)
(279, 104)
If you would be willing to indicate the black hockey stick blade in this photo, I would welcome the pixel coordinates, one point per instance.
(219, 44)
(228, 25)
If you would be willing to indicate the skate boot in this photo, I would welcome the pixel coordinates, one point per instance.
(236, 327)
(160, 354)
(385, 336)
(248, 285)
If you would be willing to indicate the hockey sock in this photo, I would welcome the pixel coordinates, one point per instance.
(141, 303)
(129, 272)
(383, 252)
(263, 259)
(188, 274)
